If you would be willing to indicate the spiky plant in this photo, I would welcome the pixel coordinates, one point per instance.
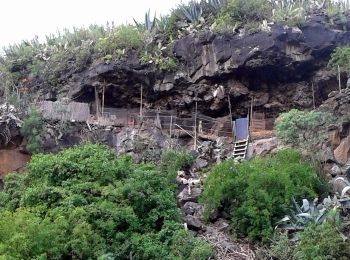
(149, 24)
(162, 23)
(310, 213)
(192, 12)
(216, 5)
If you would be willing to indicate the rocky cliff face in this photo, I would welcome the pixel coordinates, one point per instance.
(275, 69)
(276, 66)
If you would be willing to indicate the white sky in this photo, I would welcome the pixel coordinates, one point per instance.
(23, 19)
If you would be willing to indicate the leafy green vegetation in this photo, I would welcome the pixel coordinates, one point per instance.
(302, 129)
(321, 242)
(236, 13)
(31, 129)
(292, 13)
(340, 57)
(121, 38)
(258, 193)
(84, 203)
(173, 161)
(315, 242)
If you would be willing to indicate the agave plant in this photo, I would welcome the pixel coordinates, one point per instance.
(290, 11)
(192, 11)
(162, 23)
(215, 5)
(149, 24)
(309, 213)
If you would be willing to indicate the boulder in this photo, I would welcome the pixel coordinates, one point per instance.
(342, 152)
(200, 163)
(184, 196)
(193, 223)
(335, 170)
(192, 208)
(341, 186)
(334, 136)
(264, 146)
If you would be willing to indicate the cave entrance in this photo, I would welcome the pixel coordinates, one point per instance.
(104, 115)
(262, 121)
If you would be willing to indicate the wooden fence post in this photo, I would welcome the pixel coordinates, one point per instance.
(230, 108)
(313, 95)
(141, 114)
(195, 126)
(339, 80)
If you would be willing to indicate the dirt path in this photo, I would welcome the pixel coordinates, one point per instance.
(226, 248)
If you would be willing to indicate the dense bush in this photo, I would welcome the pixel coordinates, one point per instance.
(172, 161)
(259, 192)
(340, 57)
(121, 38)
(292, 13)
(302, 129)
(241, 12)
(32, 129)
(321, 242)
(83, 203)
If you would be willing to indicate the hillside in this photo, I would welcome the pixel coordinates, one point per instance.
(156, 109)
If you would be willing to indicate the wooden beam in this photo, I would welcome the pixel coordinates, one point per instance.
(97, 104)
(103, 99)
(195, 126)
(141, 112)
(339, 80)
(313, 95)
(230, 109)
(250, 118)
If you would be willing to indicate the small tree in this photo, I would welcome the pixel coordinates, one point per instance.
(340, 57)
(302, 128)
(31, 130)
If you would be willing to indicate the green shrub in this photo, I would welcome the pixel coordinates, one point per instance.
(282, 247)
(122, 37)
(292, 13)
(84, 203)
(171, 28)
(25, 235)
(167, 64)
(173, 161)
(241, 12)
(32, 130)
(340, 57)
(321, 242)
(162, 60)
(337, 9)
(258, 193)
(302, 129)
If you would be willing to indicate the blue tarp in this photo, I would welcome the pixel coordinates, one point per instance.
(241, 128)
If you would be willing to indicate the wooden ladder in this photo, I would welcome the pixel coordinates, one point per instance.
(240, 149)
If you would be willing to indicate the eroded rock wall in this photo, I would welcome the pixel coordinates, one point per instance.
(278, 67)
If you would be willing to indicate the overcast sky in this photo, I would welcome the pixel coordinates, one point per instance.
(23, 19)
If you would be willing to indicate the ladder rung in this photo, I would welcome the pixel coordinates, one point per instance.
(240, 145)
(240, 149)
(241, 141)
(244, 142)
